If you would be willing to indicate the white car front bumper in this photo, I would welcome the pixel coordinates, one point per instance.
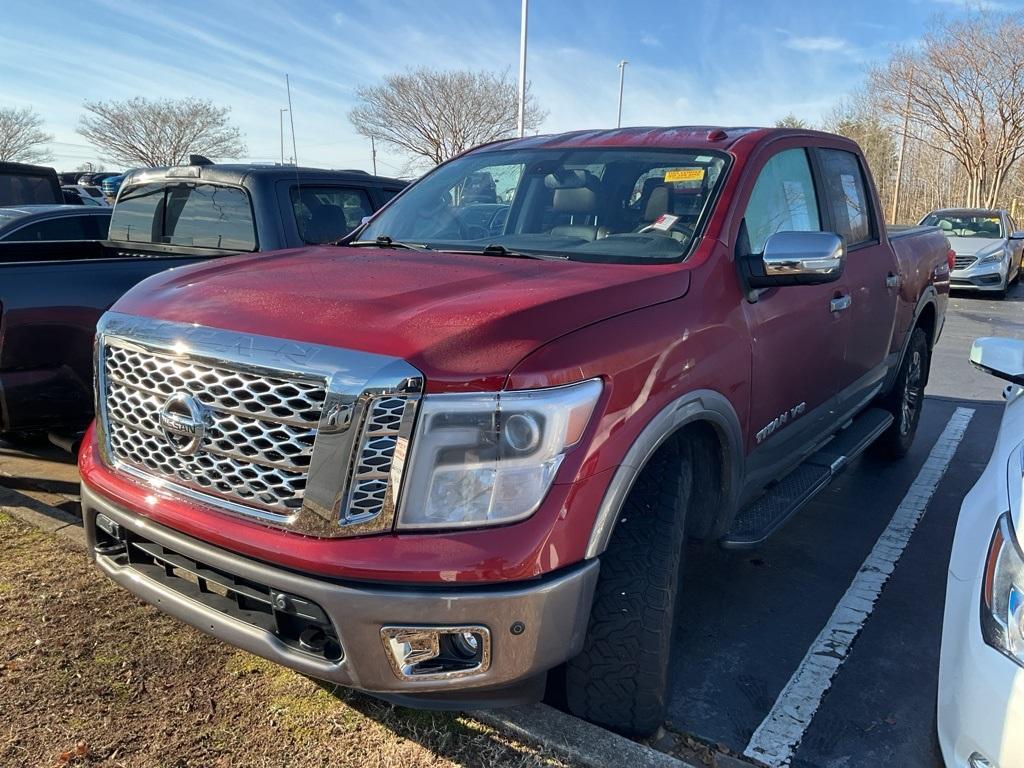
(981, 691)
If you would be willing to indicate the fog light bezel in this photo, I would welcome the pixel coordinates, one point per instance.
(426, 644)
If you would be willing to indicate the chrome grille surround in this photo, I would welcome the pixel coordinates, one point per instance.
(300, 436)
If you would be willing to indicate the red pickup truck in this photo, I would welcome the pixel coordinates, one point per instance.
(467, 446)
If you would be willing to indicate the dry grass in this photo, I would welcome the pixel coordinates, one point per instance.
(91, 676)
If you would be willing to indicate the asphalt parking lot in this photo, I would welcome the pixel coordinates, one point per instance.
(749, 619)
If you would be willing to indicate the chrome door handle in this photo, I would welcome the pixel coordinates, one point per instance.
(839, 303)
(892, 281)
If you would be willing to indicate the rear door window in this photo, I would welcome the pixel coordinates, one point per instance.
(783, 199)
(25, 189)
(325, 214)
(847, 194)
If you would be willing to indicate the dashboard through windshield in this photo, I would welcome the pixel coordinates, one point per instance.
(611, 205)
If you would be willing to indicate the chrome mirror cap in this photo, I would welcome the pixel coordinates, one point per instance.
(805, 256)
(795, 258)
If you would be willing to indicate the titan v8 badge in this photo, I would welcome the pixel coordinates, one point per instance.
(780, 421)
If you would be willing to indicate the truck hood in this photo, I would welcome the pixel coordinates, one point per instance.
(463, 320)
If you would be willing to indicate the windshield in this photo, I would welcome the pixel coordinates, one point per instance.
(954, 224)
(612, 205)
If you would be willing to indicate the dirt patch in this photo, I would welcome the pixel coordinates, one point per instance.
(91, 676)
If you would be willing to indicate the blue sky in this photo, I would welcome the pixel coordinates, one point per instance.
(691, 61)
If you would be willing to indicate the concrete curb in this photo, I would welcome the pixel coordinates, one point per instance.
(575, 740)
(40, 515)
(572, 739)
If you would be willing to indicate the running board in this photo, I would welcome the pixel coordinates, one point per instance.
(766, 514)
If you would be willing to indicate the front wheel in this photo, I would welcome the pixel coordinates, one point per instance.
(905, 400)
(620, 679)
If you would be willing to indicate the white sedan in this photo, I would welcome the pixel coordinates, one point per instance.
(981, 672)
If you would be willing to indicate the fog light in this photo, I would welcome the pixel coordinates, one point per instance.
(977, 760)
(437, 653)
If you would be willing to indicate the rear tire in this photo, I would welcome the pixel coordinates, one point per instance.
(905, 399)
(620, 679)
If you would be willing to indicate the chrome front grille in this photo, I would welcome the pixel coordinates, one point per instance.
(299, 436)
(373, 464)
(962, 262)
(259, 434)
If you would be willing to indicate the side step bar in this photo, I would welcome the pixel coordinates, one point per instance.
(766, 514)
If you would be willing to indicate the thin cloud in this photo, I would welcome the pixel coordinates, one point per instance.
(817, 44)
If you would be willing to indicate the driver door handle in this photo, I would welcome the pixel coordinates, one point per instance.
(839, 303)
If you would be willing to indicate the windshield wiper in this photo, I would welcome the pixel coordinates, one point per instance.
(496, 249)
(383, 241)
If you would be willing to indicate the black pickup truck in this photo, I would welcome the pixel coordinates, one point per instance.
(52, 293)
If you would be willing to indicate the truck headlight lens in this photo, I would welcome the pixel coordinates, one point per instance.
(489, 458)
(1002, 611)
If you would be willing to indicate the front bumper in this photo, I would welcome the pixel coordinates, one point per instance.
(979, 277)
(981, 692)
(533, 625)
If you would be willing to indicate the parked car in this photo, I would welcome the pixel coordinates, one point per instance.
(22, 184)
(439, 462)
(988, 247)
(981, 669)
(111, 185)
(51, 294)
(68, 178)
(79, 194)
(95, 178)
(35, 223)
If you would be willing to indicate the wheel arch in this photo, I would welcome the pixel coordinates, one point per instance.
(926, 316)
(705, 409)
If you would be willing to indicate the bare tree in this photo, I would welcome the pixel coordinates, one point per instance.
(855, 120)
(160, 132)
(22, 136)
(432, 115)
(963, 90)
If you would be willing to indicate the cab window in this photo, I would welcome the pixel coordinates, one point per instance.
(847, 194)
(325, 214)
(783, 200)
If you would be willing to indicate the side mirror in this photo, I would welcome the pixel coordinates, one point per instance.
(797, 258)
(1003, 358)
(1017, 234)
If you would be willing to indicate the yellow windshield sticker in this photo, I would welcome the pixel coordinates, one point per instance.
(684, 174)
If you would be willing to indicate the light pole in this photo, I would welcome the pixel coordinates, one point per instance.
(373, 153)
(622, 78)
(280, 114)
(522, 70)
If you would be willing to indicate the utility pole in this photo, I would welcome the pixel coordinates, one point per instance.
(291, 118)
(280, 114)
(522, 70)
(373, 153)
(903, 148)
(622, 78)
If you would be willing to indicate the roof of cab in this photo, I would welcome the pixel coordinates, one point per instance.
(237, 173)
(674, 137)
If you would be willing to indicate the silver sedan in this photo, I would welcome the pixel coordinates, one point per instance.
(987, 244)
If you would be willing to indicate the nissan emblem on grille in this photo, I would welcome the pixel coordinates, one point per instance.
(183, 421)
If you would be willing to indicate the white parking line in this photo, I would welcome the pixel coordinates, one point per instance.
(779, 734)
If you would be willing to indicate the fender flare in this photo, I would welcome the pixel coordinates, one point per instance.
(699, 405)
(928, 297)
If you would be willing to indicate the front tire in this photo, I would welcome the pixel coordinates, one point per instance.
(906, 399)
(620, 679)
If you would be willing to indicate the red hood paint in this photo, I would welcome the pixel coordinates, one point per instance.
(464, 321)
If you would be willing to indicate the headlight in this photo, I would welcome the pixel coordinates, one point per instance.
(988, 258)
(1002, 613)
(490, 458)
